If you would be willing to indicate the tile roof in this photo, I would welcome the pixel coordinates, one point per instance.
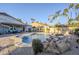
(5, 18)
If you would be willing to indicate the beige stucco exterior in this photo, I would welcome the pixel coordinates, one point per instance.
(41, 26)
(54, 29)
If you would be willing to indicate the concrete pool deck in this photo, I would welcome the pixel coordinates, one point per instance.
(27, 50)
(9, 39)
(22, 51)
(7, 44)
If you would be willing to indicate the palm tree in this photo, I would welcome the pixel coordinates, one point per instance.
(71, 5)
(67, 10)
(20, 20)
(53, 17)
(65, 13)
(70, 20)
(58, 14)
(77, 12)
(77, 6)
(77, 17)
(33, 20)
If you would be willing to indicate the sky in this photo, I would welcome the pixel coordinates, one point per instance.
(39, 11)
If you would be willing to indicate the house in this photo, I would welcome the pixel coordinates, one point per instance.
(9, 24)
(73, 25)
(40, 27)
(28, 28)
(55, 30)
(59, 29)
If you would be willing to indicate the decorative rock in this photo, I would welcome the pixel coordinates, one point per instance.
(63, 46)
(57, 45)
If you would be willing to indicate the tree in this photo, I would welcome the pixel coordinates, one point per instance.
(70, 20)
(53, 17)
(65, 13)
(37, 46)
(77, 17)
(58, 14)
(71, 5)
(77, 6)
(33, 20)
(20, 20)
(77, 11)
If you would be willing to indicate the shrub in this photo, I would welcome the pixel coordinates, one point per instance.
(77, 41)
(37, 46)
(76, 32)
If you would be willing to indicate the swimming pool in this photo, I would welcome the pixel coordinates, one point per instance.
(29, 38)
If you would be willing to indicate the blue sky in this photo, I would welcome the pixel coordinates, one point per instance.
(38, 11)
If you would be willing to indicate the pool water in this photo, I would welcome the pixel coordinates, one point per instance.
(28, 39)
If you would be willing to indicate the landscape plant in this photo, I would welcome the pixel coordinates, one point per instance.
(37, 46)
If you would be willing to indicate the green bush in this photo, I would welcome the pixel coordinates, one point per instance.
(37, 46)
(77, 41)
(76, 31)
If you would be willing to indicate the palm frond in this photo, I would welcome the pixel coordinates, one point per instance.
(77, 6)
(71, 5)
(66, 10)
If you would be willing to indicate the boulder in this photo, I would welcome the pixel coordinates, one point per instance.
(63, 46)
(57, 45)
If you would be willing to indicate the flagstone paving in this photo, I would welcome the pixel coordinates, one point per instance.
(29, 51)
